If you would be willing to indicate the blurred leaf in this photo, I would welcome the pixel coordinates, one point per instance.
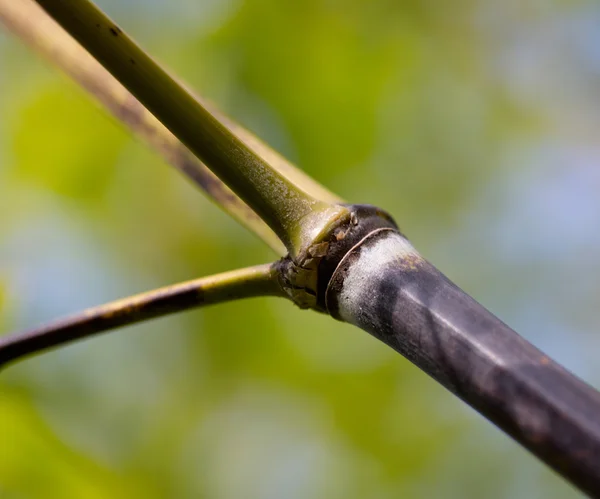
(321, 73)
(64, 143)
(38, 465)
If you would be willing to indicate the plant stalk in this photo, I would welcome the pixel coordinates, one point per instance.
(359, 268)
(260, 280)
(386, 288)
(29, 22)
(293, 214)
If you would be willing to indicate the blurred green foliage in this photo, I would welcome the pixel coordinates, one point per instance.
(424, 108)
(60, 169)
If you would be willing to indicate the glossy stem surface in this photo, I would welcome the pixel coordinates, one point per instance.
(385, 287)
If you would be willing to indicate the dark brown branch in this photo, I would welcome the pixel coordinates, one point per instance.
(383, 286)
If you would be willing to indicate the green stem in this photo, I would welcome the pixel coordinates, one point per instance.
(260, 280)
(293, 214)
(27, 20)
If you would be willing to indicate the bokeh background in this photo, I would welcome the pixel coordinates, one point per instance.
(474, 122)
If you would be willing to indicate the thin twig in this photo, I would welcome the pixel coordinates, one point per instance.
(260, 280)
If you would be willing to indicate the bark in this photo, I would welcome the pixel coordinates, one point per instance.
(385, 287)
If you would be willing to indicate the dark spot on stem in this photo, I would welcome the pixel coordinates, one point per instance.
(132, 62)
(115, 30)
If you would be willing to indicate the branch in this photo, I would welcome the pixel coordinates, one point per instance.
(27, 20)
(385, 287)
(294, 214)
(352, 262)
(260, 280)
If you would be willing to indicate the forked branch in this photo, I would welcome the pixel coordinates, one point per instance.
(352, 262)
